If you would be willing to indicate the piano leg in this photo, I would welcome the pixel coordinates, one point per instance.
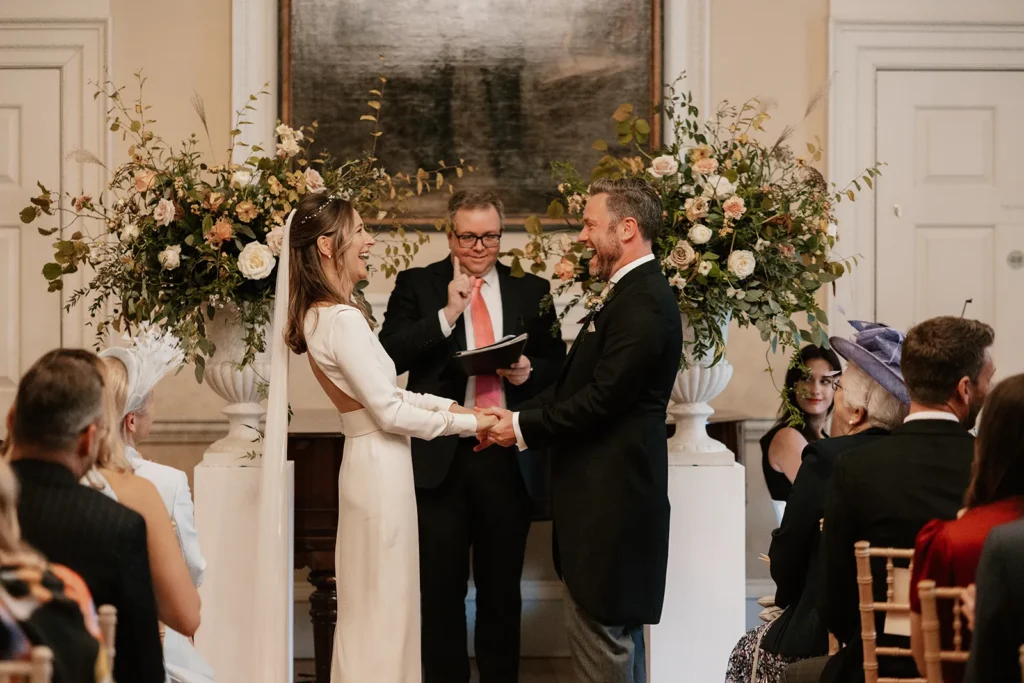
(323, 609)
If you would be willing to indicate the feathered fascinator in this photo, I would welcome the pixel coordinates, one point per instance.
(152, 354)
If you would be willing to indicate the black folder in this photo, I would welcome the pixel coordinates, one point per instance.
(486, 360)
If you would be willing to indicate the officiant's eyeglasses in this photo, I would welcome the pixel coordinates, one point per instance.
(469, 240)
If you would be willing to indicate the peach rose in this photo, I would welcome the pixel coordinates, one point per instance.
(705, 166)
(564, 270)
(682, 255)
(221, 232)
(734, 207)
(144, 180)
(696, 207)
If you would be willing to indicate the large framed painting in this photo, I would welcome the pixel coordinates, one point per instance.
(507, 85)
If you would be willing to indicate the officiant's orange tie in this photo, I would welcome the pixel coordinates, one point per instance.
(488, 387)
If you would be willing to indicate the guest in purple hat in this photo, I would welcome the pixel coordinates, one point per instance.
(868, 405)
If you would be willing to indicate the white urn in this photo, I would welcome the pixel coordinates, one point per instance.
(695, 386)
(244, 388)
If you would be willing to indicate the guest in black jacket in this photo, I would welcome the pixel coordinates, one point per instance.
(869, 403)
(999, 614)
(883, 493)
(465, 499)
(56, 426)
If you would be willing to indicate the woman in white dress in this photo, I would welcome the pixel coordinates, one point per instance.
(377, 553)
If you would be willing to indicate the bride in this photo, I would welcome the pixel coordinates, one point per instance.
(377, 553)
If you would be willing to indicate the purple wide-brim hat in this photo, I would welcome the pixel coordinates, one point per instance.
(876, 349)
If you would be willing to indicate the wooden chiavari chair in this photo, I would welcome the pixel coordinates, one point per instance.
(934, 655)
(39, 668)
(1022, 663)
(108, 629)
(865, 584)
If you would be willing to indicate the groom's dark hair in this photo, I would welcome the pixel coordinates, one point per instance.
(632, 198)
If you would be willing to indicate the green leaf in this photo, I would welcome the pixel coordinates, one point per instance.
(517, 268)
(245, 230)
(374, 104)
(367, 117)
(849, 193)
(533, 225)
(207, 224)
(136, 126)
(867, 179)
(52, 271)
(200, 369)
(600, 145)
(46, 233)
(29, 214)
(642, 127)
(190, 240)
(556, 210)
(731, 175)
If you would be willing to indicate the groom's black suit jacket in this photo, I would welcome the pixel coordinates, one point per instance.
(603, 423)
(412, 336)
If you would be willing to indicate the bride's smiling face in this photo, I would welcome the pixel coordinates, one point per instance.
(358, 252)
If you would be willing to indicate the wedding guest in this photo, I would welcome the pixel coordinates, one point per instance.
(885, 492)
(998, 629)
(132, 374)
(869, 404)
(472, 506)
(177, 599)
(811, 392)
(55, 427)
(948, 552)
(43, 604)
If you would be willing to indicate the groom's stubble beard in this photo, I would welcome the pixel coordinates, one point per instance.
(606, 255)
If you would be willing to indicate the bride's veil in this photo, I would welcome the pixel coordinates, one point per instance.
(272, 653)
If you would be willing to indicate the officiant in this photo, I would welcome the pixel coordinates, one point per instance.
(465, 499)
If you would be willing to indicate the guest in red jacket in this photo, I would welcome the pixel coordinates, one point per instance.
(948, 551)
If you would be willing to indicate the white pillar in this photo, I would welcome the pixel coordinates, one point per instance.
(704, 608)
(227, 515)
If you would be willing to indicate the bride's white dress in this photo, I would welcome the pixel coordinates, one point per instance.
(377, 639)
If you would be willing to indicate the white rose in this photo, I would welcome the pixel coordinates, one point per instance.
(704, 268)
(241, 178)
(130, 232)
(314, 181)
(761, 244)
(664, 165)
(256, 261)
(170, 258)
(275, 240)
(163, 214)
(287, 133)
(741, 263)
(700, 234)
(288, 147)
(715, 186)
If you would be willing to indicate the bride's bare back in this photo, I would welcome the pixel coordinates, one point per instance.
(342, 401)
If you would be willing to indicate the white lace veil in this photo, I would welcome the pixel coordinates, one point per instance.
(273, 598)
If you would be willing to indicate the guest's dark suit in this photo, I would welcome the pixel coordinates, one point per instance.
(604, 423)
(105, 543)
(468, 499)
(999, 611)
(795, 559)
(884, 493)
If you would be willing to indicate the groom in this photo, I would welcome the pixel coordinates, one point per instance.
(603, 423)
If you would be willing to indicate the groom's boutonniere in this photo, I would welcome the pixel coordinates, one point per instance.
(594, 304)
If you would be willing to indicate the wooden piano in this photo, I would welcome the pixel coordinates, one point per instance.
(315, 445)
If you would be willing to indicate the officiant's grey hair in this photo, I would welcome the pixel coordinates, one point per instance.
(632, 198)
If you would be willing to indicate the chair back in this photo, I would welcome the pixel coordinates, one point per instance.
(1022, 663)
(39, 668)
(108, 629)
(934, 655)
(865, 589)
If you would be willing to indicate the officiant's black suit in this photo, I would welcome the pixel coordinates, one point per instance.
(464, 498)
(603, 422)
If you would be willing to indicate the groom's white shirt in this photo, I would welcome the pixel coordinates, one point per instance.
(616, 276)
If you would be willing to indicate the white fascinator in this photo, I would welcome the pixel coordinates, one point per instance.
(152, 354)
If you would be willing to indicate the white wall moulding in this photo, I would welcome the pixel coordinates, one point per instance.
(254, 56)
(993, 12)
(687, 47)
(868, 37)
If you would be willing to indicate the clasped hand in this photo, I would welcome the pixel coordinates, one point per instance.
(494, 426)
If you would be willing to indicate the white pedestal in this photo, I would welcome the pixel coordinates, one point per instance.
(704, 597)
(227, 515)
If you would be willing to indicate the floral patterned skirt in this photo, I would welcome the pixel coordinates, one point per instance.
(770, 666)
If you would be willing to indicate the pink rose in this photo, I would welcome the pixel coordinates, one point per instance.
(734, 207)
(564, 270)
(81, 201)
(314, 181)
(705, 166)
(787, 250)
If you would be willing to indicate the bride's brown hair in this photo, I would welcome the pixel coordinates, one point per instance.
(317, 215)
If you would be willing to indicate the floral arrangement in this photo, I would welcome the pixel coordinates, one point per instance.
(180, 240)
(749, 227)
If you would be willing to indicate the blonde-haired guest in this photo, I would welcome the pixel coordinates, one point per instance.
(131, 374)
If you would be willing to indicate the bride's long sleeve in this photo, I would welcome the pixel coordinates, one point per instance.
(355, 353)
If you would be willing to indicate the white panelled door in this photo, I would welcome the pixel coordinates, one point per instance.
(30, 150)
(950, 203)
